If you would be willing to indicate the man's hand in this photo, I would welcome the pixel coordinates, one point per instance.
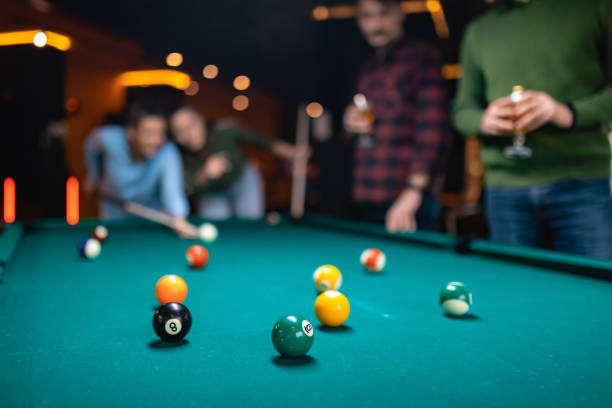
(355, 121)
(401, 215)
(536, 109)
(182, 227)
(214, 167)
(498, 118)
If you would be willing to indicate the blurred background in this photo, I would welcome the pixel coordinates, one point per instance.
(69, 66)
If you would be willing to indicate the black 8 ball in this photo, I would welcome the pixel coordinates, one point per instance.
(172, 321)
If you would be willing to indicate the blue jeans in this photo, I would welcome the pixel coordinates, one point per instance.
(243, 199)
(572, 216)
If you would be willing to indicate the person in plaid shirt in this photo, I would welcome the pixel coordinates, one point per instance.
(397, 174)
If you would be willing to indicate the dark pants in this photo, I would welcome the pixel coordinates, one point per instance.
(570, 216)
(426, 217)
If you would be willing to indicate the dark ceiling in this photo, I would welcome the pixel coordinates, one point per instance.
(276, 43)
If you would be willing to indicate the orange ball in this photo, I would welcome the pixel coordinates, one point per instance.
(332, 308)
(197, 256)
(171, 288)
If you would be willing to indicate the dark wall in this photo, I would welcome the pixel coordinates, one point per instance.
(31, 114)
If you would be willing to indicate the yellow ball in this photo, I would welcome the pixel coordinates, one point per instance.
(332, 308)
(327, 277)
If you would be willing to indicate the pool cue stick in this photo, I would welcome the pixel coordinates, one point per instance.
(300, 165)
(141, 211)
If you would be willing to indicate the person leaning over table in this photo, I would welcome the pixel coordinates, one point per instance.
(217, 174)
(610, 140)
(137, 163)
(560, 51)
(398, 176)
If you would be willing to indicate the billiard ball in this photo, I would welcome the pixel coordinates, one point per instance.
(292, 336)
(172, 321)
(90, 248)
(207, 232)
(327, 277)
(273, 218)
(100, 233)
(373, 259)
(197, 256)
(170, 288)
(332, 308)
(455, 299)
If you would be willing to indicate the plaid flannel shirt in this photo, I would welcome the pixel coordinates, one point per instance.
(412, 127)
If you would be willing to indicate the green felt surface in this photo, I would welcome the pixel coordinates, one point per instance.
(78, 333)
(9, 238)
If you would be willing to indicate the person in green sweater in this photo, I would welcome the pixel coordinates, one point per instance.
(560, 52)
(217, 174)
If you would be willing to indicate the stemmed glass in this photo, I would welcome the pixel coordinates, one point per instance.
(518, 150)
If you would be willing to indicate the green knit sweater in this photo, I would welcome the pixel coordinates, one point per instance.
(227, 140)
(561, 47)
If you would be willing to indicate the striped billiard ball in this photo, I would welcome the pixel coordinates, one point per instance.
(100, 233)
(373, 259)
(455, 299)
(327, 277)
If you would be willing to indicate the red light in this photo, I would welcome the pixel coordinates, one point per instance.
(9, 200)
(72, 105)
(72, 201)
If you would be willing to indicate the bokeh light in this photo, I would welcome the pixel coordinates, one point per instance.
(360, 101)
(210, 71)
(72, 105)
(242, 82)
(240, 103)
(314, 109)
(174, 59)
(320, 13)
(192, 89)
(433, 6)
(40, 39)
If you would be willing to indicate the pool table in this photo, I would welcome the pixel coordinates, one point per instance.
(78, 333)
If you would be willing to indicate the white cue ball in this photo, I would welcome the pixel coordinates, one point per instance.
(207, 232)
(92, 248)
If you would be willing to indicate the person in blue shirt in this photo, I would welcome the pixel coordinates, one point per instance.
(137, 163)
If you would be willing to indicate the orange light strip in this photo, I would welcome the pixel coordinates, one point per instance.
(439, 20)
(452, 71)
(72, 201)
(413, 7)
(9, 200)
(342, 12)
(175, 79)
(434, 7)
(56, 40)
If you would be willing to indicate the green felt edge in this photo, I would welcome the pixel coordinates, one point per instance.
(53, 223)
(8, 242)
(421, 237)
(580, 265)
